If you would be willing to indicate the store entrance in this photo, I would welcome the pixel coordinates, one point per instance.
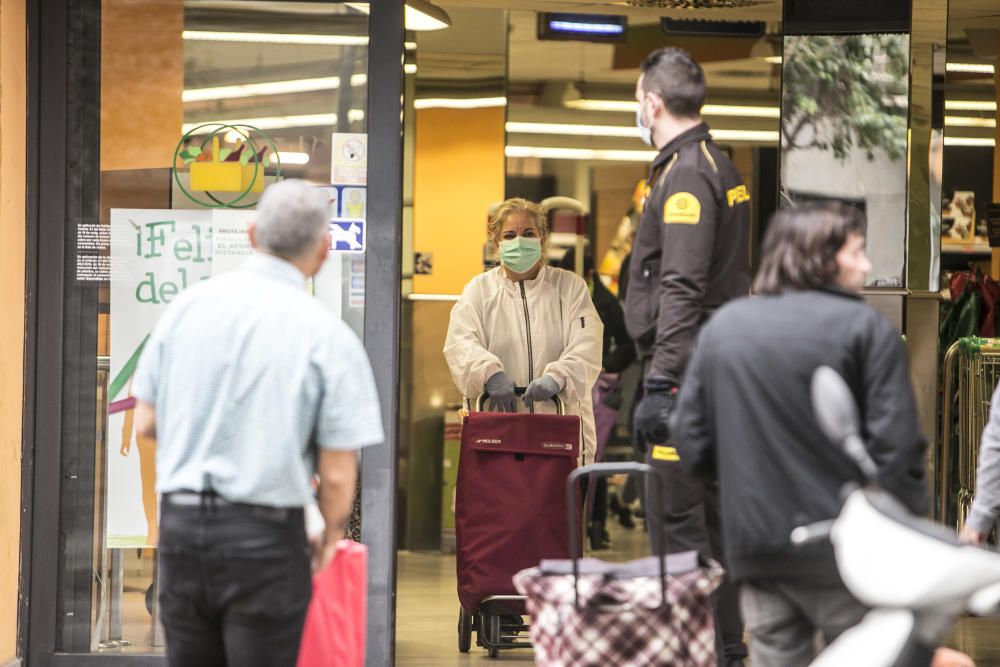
(502, 106)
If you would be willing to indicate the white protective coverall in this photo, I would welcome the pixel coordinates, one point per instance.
(545, 326)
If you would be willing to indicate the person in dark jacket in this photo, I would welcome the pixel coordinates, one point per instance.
(691, 255)
(744, 418)
(619, 350)
(618, 354)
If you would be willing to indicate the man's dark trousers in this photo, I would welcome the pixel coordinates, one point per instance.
(234, 583)
(689, 512)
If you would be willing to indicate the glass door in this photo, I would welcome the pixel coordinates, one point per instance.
(177, 115)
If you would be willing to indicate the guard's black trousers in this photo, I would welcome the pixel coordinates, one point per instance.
(235, 583)
(689, 513)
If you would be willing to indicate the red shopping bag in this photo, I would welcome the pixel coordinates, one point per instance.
(334, 633)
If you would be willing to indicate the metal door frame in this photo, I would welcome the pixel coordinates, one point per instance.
(63, 69)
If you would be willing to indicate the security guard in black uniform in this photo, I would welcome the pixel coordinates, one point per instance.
(691, 255)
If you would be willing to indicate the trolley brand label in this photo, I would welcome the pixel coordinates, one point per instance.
(489, 441)
(557, 445)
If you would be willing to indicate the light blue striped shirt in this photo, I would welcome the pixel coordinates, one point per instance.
(248, 374)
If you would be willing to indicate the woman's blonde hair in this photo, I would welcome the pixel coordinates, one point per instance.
(517, 205)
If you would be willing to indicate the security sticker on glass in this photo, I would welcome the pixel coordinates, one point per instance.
(682, 208)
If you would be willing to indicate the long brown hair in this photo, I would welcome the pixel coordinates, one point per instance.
(801, 246)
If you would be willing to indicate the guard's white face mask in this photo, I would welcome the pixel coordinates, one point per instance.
(645, 133)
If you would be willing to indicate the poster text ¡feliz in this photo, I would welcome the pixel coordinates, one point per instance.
(151, 241)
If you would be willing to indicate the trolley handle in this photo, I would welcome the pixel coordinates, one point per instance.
(519, 391)
(599, 470)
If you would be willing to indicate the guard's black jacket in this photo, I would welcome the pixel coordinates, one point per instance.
(744, 416)
(691, 253)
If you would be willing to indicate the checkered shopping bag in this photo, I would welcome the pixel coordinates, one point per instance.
(651, 611)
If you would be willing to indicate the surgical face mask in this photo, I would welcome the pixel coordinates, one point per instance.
(645, 133)
(521, 253)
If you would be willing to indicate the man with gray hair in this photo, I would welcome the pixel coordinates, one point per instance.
(249, 385)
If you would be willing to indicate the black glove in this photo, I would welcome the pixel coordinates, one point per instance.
(652, 415)
(501, 391)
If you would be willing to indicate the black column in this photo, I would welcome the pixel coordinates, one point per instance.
(382, 301)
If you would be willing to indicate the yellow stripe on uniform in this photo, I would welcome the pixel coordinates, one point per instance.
(682, 208)
(708, 155)
(664, 453)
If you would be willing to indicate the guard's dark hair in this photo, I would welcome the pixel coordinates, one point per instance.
(674, 75)
(801, 245)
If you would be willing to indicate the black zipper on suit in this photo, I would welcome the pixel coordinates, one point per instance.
(527, 329)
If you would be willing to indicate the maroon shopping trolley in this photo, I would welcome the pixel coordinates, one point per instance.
(510, 512)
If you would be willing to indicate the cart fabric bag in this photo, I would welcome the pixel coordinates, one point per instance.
(334, 632)
(510, 502)
(620, 618)
(650, 611)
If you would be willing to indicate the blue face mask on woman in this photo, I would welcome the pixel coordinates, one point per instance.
(520, 253)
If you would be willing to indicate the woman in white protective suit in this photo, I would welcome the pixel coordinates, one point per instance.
(525, 324)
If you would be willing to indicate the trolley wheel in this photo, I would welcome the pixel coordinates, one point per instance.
(464, 631)
(494, 635)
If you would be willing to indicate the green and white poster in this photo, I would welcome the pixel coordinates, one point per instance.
(156, 255)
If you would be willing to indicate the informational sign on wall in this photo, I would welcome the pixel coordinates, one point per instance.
(157, 254)
(349, 159)
(347, 235)
(357, 282)
(349, 201)
(230, 243)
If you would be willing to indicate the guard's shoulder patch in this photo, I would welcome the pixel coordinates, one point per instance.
(682, 208)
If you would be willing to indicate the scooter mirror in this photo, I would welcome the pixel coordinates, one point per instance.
(837, 414)
(834, 405)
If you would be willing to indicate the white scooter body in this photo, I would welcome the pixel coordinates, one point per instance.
(902, 566)
(904, 561)
(914, 574)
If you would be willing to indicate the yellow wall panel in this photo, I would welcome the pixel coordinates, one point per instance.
(458, 173)
(12, 251)
(142, 78)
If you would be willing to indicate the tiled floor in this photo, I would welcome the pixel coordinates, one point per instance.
(427, 613)
(980, 638)
(427, 607)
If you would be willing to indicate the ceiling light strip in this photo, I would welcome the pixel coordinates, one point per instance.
(275, 38)
(970, 68)
(290, 157)
(969, 141)
(552, 153)
(970, 105)
(433, 297)
(264, 88)
(514, 127)
(969, 121)
(629, 106)
(418, 15)
(278, 122)
(459, 102)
